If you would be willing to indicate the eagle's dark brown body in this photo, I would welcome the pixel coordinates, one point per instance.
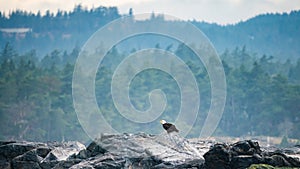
(170, 127)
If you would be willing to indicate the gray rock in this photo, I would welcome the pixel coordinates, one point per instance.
(143, 151)
(29, 156)
(246, 147)
(43, 151)
(5, 165)
(38, 155)
(93, 149)
(218, 157)
(6, 142)
(242, 154)
(244, 161)
(63, 151)
(66, 164)
(25, 165)
(48, 164)
(11, 150)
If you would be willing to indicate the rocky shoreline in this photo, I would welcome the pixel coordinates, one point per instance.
(143, 151)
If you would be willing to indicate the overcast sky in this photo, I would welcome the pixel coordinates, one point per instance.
(219, 11)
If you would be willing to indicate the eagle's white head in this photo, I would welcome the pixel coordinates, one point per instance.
(162, 121)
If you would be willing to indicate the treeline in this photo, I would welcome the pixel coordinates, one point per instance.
(53, 30)
(271, 33)
(80, 19)
(274, 34)
(36, 100)
(263, 96)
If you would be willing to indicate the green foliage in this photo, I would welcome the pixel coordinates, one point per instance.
(274, 34)
(36, 96)
(36, 101)
(259, 100)
(55, 30)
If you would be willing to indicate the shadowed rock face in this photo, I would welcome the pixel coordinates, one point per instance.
(141, 151)
(36, 155)
(109, 151)
(243, 154)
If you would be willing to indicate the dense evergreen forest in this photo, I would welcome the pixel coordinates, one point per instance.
(272, 34)
(36, 96)
(62, 30)
(263, 89)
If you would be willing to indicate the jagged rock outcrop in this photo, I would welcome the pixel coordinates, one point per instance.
(36, 155)
(143, 151)
(140, 151)
(109, 151)
(243, 154)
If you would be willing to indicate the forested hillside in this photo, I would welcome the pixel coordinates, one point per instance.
(61, 30)
(36, 100)
(272, 34)
(261, 59)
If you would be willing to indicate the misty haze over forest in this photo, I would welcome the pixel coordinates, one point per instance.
(260, 56)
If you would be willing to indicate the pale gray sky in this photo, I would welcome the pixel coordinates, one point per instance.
(219, 11)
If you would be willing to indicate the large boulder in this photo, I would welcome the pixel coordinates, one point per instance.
(140, 151)
(33, 155)
(243, 154)
(10, 150)
(218, 157)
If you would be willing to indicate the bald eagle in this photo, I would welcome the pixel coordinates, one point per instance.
(169, 127)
